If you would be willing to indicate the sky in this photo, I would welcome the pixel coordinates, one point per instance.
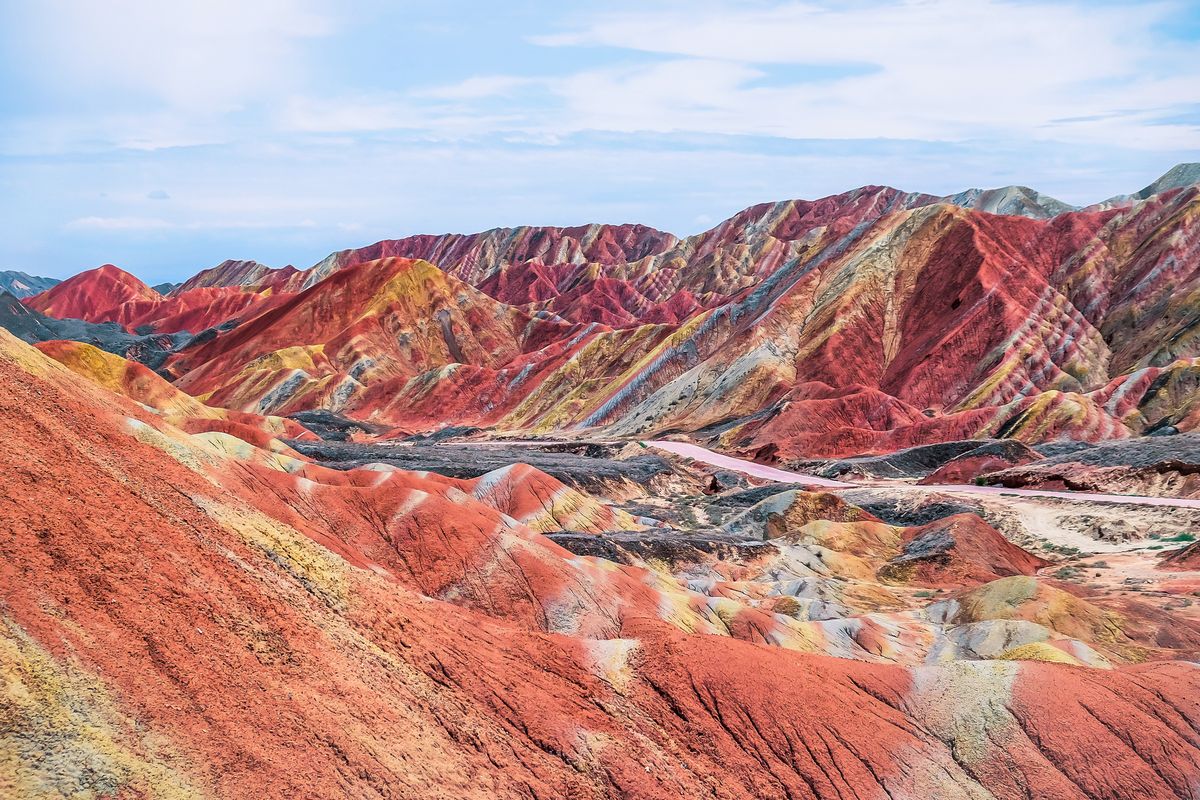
(166, 137)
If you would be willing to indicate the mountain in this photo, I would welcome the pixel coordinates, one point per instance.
(615, 274)
(109, 294)
(472, 257)
(867, 321)
(381, 322)
(864, 322)
(20, 284)
(237, 273)
(96, 295)
(603, 273)
(1015, 201)
(1177, 177)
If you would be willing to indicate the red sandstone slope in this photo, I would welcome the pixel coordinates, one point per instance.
(473, 257)
(952, 315)
(381, 322)
(238, 656)
(973, 464)
(136, 382)
(630, 274)
(960, 550)
(1187, 557)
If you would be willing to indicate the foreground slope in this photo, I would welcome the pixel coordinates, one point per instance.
(171, 629)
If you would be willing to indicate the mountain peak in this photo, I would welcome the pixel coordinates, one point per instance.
(1010, 201)
(235, 272)
(107, 286)
(1178, 176)
(115, 273)
(108, 277)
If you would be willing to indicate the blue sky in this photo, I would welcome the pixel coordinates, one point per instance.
(166, 137)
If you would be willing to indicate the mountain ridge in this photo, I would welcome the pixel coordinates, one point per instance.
(1022, 199)
(1007, 200)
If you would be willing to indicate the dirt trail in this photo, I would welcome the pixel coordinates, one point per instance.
(699, 453)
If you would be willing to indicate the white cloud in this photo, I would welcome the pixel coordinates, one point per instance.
(934, 70)
(964, 34)
(379, 112)
(373, 113)
(938, 70)
(272, 137)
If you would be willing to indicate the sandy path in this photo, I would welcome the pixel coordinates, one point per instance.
(699, 453)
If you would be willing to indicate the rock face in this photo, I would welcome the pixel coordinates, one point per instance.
(1184, 558)
(353, 341)
(865, 322)
(961, 550)
(237, 273)
(209, 614)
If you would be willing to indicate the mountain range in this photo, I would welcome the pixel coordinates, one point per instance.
(461, 515)
(863, 322)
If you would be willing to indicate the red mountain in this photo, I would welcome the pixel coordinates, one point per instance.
(109, 294)
(98, 295)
